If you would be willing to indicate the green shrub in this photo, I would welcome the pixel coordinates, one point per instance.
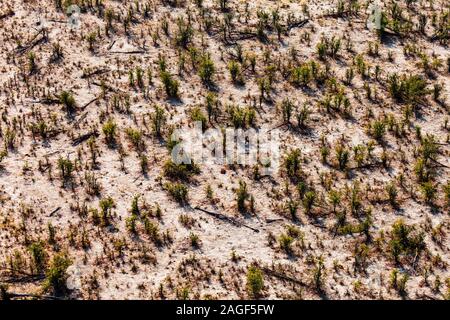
(130, 224)
(399, 283)
(292, 164)
(206, 69)
(292, 208)
(152, 230)
(241, 117)
(109, 130)
(211, 105)
(180, 171)
(309, 201)
(302, 117)
(319, 275)
(446, 189)
(391, 191)
(170, 85)
(255, 281)
(377, 130)
(143, 161)
(285, 241)
(67, 99)
(91, 38)
(301, 76)
(342, 155)
(56, 275)
(135, 136)
(287, 108)
(106, 205)
(242, 196)
(158, 120)
(195, 240)
(66, 168)
(235, 71)
(32, 62)
(409, 89)
(428, 191)
(178, 191)
(38, 256)
(405, 241)
(184, 34)
(198, 116)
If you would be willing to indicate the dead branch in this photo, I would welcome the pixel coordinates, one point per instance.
(54, 211)
(83, 138)
(279, 275)
(94, 73)
(226, 218)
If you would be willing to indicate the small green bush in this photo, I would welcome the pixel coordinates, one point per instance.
(255, 281)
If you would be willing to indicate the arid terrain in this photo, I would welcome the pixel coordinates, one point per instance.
(92, 205)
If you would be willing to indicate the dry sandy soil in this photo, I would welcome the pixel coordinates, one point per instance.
(88, 208)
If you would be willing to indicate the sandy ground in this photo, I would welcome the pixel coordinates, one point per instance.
(31, 187)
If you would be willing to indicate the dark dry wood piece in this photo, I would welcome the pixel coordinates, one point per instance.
(21, 50)
(83, 138)
(12, 295)
(107, 87)
(81, 118)
(273, 220)
(129, 52)
(226, 218)
(90, 102)
(111, 45)
(282, 276)
(8, 14)
(54, 211)
(47, 101)
(94, 73)
(24, 279)
(297, 24)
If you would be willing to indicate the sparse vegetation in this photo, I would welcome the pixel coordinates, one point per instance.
(351, 127)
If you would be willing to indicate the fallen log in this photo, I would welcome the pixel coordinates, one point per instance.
(83, 138)
(94, 73)
(90, 102)
(297, 24)
(279, 275)
(107, 87)
(81, 118)
(129, 52)
(226, 218)
(273, 220)
(47, 101)
(23, 279)
(12, 295)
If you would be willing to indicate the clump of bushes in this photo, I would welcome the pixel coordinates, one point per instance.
(180, 171)
(409, 89)
(405, 241)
